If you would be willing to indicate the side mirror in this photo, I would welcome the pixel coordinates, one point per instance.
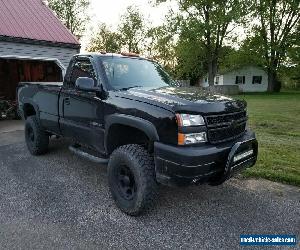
(85, 83)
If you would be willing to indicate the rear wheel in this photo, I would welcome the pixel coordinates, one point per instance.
(36, 138)
(131, 177)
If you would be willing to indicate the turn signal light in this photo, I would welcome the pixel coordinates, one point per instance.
(186, 139)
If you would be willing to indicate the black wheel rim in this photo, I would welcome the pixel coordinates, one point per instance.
(126, 183)
(30, 134)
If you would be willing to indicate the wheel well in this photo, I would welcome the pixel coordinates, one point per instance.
(28, 110)
(119, 135)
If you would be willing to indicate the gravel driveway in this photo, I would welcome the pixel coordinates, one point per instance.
(62, 201)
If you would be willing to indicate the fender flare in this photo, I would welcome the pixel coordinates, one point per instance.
(136, 122)
(33, 104)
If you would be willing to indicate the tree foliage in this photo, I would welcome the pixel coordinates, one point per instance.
(105, 40)
(290, 72)
(209, 23)
(200, 38)
(245, 55)
(275, 33)
(132, 29)
(160, 45)
(191, 60)
(71, 13)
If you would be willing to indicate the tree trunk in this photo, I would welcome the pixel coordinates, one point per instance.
(271, 78)
(210, 75)
(274, 84)
(212, 71)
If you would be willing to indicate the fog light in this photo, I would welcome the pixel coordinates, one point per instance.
(243, 155)
(185, 139)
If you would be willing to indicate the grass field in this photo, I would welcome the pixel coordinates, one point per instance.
(276, 120)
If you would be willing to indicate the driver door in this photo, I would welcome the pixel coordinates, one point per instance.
(82, 111)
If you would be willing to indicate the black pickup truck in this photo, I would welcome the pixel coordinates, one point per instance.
(126, 111)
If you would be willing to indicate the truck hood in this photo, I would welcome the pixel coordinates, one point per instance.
(179, 99)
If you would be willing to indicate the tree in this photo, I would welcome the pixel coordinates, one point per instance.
(245, 55)
(132, 29)
(209, 23)
(71, 13)
(161, 46)
(290, 71)
(191, 59)
(105, 40)
(275, 32)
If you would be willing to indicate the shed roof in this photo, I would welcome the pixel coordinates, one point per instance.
(32, 20)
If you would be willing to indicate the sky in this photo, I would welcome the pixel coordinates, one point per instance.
(109, 12)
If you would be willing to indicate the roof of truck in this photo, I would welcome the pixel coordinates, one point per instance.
(32, 20)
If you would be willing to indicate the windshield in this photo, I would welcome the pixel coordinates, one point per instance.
(125, 73)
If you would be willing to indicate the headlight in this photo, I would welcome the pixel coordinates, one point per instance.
(185, 139)
(185, 120)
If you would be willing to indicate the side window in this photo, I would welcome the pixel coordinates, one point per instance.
(256, 79)
(240, 80)
(82, 68)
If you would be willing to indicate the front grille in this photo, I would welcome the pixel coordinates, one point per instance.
(227, 118)
(226, 127)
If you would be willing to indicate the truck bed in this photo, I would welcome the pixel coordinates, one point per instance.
(44, 97)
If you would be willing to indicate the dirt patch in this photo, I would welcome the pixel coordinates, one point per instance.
(275, 188)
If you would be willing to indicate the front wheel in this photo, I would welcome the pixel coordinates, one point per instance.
(36, 138)
(131, 177)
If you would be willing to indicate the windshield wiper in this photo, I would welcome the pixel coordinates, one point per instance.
(131, 87)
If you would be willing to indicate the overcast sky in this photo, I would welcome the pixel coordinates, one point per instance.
(109, 12)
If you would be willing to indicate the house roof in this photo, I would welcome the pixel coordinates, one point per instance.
(238, 67)
(32, 20)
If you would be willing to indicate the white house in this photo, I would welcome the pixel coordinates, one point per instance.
(248, 78)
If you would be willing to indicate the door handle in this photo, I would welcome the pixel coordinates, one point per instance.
(67, 101)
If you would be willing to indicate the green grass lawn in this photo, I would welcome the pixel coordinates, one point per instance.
(276, 120)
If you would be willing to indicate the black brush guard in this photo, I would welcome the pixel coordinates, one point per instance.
(231, 167)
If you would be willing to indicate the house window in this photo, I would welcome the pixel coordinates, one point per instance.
(256, 79)
(240, 80)
(217, 80)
